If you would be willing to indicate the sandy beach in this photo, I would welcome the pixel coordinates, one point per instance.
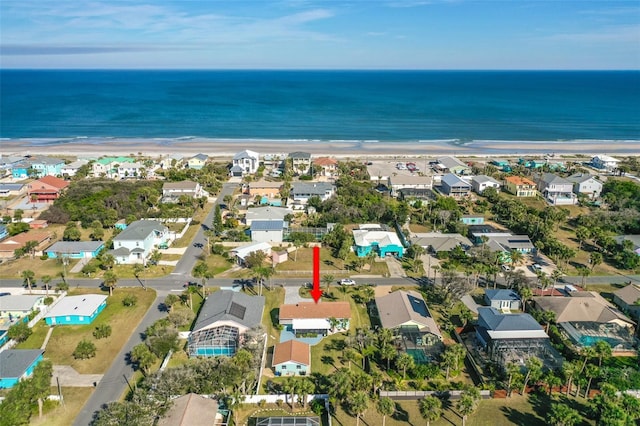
(94, 147)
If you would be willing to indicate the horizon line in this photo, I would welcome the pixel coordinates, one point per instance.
(338, 69)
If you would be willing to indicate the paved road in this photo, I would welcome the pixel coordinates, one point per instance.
(199, 243)
(113, 383)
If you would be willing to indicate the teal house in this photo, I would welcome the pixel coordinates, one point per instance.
(17, 364)
(74, 249)
(76, 310)
(375, 238)
(469, 219)
(39, 164)
(292, 358)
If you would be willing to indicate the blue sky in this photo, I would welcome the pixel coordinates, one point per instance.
(301, 34)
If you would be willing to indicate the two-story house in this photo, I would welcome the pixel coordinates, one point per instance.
(197, 162)
(587, 184)
(481, 182)
(604, 162)
(138, 240)
(70, 170)
(453, 186)
(173, 190)
(520, 186)
(46, 189)
(108, 166)
(38, 166)
(300, 162)
(556, 190)
(325, 166)
(245, 163)
(302, 191)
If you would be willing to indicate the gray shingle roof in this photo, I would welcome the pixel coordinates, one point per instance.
(501, 294)
(484, 178)
(225, 305)
(268, 225)
(317, 188)
(300, 155)
(75, 246)
(400, 307)
(14, 362)
(507, 322)
(139, 230)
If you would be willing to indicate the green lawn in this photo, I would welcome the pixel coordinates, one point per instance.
(273, 299)
(36, 339)
(62, 415)
(198, 217)
(123, 321)
(218, 264)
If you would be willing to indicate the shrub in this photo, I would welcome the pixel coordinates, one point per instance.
(130, 300)
(84, 350)
(19, 332)
(44, 257)
(48, 300)
(262, 403)
(102, 331)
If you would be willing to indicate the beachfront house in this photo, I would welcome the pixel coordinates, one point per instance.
(378, 239)
(291, 358)
(325, 166)
(322, 318)
(398, 182)
(9, 245)
(556, 190)
(18, 364)
(502, 164)
(36, 166)
(605, 162)
(197, 162)
(587, 184)
(135, 243)
(520, 186)
(585, 317)
(76, 310)
(224, 319)
(302, 191)
(300, 162)
(70, 170)
(453, 186)
(108, 166)
(74, 249)
(171, 191)
(46, 189)
(245, 163)
(481, 182)
(451, 165)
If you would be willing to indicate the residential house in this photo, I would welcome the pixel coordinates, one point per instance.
(321, 318)
(6, 164)
(17, 364)
(402, 311)
(268, 231)
(503, 300)
(245, 163)
(628, 299)
(38, 224)
(472, 219)
(301, 162)
(585, 317)
(108, 166)
(377, 238)
(502, 164)
(138, 240)
(512, 337)
(421, 194)
(70, 170)
(265, 189)
(46, 189)
(197, 162)
(325, 166)
(9, 245)
(506, 243)
(302, 191)
(520, 186)
(224, 319)
(240, 253)
(604, 162)
(171, 191)
(274, 161)
(12, 189)
(15, 306)
(132, 170)
(632, 241)
(452, 165)
(556, 190)
(481, 182)
(401, 181)
(3, 232)
(76, 310)
(37, 166)
(266, 213)
(74, 249)
(587, 184)
(292, 358)
(193, 410)
(453, 186)
(436, 242)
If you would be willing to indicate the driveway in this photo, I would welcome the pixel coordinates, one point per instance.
(395, 267)
(292, 296)
(68, 376)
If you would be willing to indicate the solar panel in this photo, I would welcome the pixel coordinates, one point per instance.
(237, 311)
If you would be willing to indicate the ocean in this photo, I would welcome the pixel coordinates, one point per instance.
(370, 106)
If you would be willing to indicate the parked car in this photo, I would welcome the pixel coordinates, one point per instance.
(536, 267)
(506, 268)
(192, 284)
(347, 281)
(401, 166)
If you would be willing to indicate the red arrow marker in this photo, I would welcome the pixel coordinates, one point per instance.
(316, 292)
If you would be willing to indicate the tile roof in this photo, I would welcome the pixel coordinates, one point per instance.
(52, 181)
(190, 410)
(311, 310)
(291, 350)
(325, 161)
(518, 180)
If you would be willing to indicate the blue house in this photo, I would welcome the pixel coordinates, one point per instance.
(502, 299)
(470, 219)
(3, 232)
(75, 310)
(16, 364)
(75, 249)
(42, 166)
(375, 238)
(292, 358)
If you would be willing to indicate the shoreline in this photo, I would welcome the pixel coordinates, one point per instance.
(226, 148)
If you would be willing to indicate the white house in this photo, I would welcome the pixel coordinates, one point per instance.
(556, 190)
(138, 240)
(584, 183)
(69, 170)
(402, 181)
(173, 190)
(302, 191)
(242, 252)
(481, 182)
(301, 162)
(604, 162)
(268, 231)
(245, 163)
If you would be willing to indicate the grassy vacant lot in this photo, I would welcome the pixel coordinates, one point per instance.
(123, 321)
(273, 299)
(51, 267)
(198, 217)
(62, 415)
(328, 264)
(218, 264)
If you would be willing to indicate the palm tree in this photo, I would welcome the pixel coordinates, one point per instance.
(358, 403)
(46, 280)
(305, 387)
(602, 350)
(516, 258)
(534, 371)
(555, 276)
(569, 371)
(430, 408)
(290, 385)
(584, 273)
(563, 415)
(350, 355)
(327, 279)
(386, 407)
(404, 361)
(587, 352)
(514, 375)
(387, 352)
(525, 295)
(592, 372)
(468, 403)
(110, 280)
(28, 276)
(436, 269)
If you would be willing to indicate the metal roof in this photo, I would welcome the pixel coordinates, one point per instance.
(75, 246)
(83, 305)
(268, 225)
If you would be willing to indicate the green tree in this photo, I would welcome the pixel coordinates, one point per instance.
(595, 258)
(584, 273)
(468, 403)
(217, 224)
(351, 355)
(358, 404)
(162, 338)
(582, 234)
(170, 301)
(143, 357)
(255, 259)
(84, 350)
(46, 281)
(110, 280)
(430, 408)
(28, 277)
(107, 261)
(602, 350)
(19, 331)
(386, 407)
(71, 232)
(387, 352)
(305, 387)
(41, 383)
(534, 371)
(404, 361)
(102, 331)
(563, 415)
(290, 385)
(514, 377)
(129, 300)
